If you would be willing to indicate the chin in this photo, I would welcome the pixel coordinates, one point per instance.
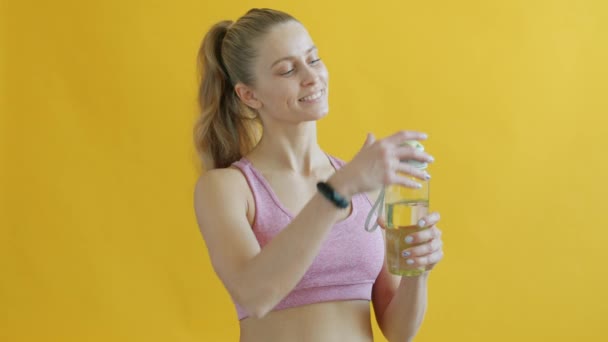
(317, 115)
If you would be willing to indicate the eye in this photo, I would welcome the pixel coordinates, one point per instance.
(288, 72)
(315, 61)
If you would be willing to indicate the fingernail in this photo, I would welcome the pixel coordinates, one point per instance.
(421, 223)
(431, 159)
(405, 254)
(418, 185)
(427, 176)
(425, 136)
(410, 261)
(409, 239)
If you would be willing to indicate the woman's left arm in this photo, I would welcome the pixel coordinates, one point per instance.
(400, 302)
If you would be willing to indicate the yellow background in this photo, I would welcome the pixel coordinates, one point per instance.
(98, 236)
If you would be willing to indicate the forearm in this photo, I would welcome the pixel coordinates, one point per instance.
(281, 264)
(405, 313)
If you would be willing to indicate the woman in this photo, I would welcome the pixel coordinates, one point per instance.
(296, 261)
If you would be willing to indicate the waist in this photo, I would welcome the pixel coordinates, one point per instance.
(305, 294)
(328, 321)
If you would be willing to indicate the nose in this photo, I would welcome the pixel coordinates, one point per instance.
(310, 76)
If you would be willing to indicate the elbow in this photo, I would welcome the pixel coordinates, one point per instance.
(257, 310)
(257, 302)
(258, 313)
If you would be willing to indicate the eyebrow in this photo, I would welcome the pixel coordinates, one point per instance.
(314, 47)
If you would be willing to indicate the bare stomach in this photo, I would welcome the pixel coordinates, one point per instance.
(329, 321)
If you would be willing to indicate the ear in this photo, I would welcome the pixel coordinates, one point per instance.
(246, 94)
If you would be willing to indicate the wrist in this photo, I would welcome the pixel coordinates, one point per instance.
(340, 184)
(411, 280)
(332, 195)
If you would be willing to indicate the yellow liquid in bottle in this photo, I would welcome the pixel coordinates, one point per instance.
(401, 220)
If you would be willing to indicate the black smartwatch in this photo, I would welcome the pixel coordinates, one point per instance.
(332, 195)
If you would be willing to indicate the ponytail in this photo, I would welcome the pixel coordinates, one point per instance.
(223, 132)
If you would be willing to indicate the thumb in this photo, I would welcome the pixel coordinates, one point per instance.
(369, 140)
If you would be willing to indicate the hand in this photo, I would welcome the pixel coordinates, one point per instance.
(428, 251)
(378, 164)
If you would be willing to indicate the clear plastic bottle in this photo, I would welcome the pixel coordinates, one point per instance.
(403, 208)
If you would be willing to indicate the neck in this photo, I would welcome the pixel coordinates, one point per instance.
(292, 148)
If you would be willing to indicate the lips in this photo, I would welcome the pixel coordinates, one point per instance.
(313, 96)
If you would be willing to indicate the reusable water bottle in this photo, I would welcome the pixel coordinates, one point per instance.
(401, 208)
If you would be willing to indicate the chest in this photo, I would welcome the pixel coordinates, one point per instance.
(294, 192)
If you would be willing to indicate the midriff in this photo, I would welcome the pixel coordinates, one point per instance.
(321, 322)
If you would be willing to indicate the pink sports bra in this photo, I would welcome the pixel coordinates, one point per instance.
(350, 258)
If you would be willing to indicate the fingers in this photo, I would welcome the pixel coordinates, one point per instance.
(414, 171)
(423, 250)
(396, 178)
(423, 236)
(393, 156)
(426, 260)
(429, 220)
(425, 254)
(391, 152)
(369, 139)
(403, 136)
(427, 244)
(381, 223)
(407, 152)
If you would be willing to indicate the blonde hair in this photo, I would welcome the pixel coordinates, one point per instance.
(226, 129)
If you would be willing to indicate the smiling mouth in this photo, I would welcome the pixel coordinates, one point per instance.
(313, 97)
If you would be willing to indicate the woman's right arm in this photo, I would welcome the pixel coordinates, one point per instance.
(258, 279)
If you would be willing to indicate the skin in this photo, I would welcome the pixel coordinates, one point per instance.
(287, 70)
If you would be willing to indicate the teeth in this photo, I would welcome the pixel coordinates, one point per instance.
(312, 97)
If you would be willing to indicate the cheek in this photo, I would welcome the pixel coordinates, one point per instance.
(280, 95)
(271, 93)
(324, 73)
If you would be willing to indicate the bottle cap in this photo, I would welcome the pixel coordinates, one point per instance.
(415, 163)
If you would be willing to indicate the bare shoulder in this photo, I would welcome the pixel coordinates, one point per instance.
(218, 179)
(222, 191)
(227, 184)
